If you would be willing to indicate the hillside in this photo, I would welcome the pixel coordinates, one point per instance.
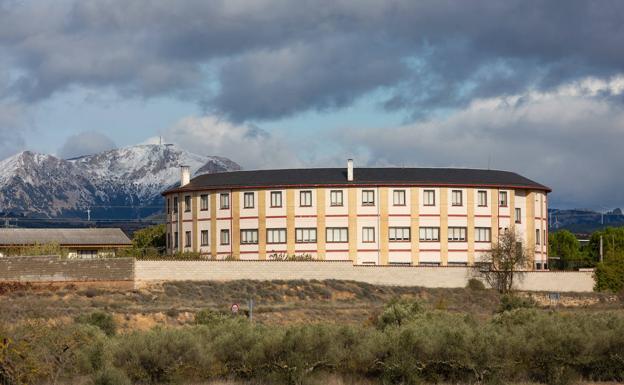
(123, 183)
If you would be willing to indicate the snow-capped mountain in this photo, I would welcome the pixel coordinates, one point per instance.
(119, 183)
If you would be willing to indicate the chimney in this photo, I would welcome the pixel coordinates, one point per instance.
(350, 170)
(185, 176)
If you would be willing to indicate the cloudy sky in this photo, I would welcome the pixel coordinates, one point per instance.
(535, 87)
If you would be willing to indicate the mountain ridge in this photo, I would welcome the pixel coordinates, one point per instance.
(124, 182)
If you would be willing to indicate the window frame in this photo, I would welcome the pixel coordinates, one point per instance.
(402, 238)
(399, 194)
(224, 237)
(368, 193)
(175, 205)
(188, 239)
(502, 194)
(205, 233)
(302, 239)
(188, 203)
(485, 230)
(279, 230)
(246, 233)
(204, 202)
(461, 198)
(246, 202)
(224, 201)
(537, 237)
(340, 231)
(426, 192)
(451, 234)
(366, 233)
(339, 193)
(276, 194)
(308, 194)
(176, 240)
(434, 230)
(485, 198)
(518, 215)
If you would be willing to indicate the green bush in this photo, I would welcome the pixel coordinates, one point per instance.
(475, 284)
(510, 302)
(100, 319)
(397, 312)
(609, 275)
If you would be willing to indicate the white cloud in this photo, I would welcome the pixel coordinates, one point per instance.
(249, 146)
(85, 143)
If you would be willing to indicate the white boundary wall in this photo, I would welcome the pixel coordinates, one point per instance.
(450, 277)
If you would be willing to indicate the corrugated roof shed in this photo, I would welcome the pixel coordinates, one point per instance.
(77, 237)
(362, 176)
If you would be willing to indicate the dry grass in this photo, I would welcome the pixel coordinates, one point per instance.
(280, 302)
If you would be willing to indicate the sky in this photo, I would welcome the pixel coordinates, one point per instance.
(535, 87)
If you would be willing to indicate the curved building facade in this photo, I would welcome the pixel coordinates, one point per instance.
(380, 216)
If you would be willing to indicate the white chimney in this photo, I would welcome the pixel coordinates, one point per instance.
(350, 170)
(185, 176)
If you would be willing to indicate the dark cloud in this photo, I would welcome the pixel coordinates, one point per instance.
(271, 58)
(85, 143)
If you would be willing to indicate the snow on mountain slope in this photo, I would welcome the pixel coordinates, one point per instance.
(133, 176)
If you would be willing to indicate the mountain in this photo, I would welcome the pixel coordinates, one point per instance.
(584, 221)
(122, 183)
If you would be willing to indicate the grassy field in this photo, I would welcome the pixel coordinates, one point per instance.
(276, 302)
(305, 333)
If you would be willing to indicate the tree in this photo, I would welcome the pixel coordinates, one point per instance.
(149, 241)
(564, 245)
(609, 275)
(613, 242)
(504, 263)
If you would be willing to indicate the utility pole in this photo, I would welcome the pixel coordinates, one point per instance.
(88, 215)
(601, 255)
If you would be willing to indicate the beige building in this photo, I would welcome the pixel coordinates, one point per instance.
(76, 243)
(376, 216)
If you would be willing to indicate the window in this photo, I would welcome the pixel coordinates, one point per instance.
(276, 235)
(482, 198)
(368, 234)
(456, 198)
(429, 197)
(187, 203)
(305, 235)
(203, 202)
(430, 234)
(483, 234)
(175, 240)
(175, 205)
(276, 199)
(225, 237)
(337, 234)
(399, 234)
(537, 237)
(368, 197)
(204, 237)
(538, 266)
(545, 238)
(456, 234)
(305, 198)
(398, 197)
(187, 239)
(224, 201)
(168, 206)
(248, 200)
(502, 195)
(249, 237)
(87, 254)
(335, 198)
(168, 240)
(518, 215)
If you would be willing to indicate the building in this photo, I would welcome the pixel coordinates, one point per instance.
(396, 216)
(77, 243)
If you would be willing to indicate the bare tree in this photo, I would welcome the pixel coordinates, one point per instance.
(505, 263)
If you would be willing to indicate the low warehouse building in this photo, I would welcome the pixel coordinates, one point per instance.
(75, 243)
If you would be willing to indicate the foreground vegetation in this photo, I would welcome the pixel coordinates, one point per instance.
(405, 344)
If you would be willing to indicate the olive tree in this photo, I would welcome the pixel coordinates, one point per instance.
(505, 263)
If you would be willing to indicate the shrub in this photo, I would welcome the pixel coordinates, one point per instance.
(510, 302)
(609, 275)
(211, 317)
(100, 319)
(475, 284)
(111, 376)
(397, 312)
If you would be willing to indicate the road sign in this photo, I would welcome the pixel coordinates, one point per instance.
(234, 308)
